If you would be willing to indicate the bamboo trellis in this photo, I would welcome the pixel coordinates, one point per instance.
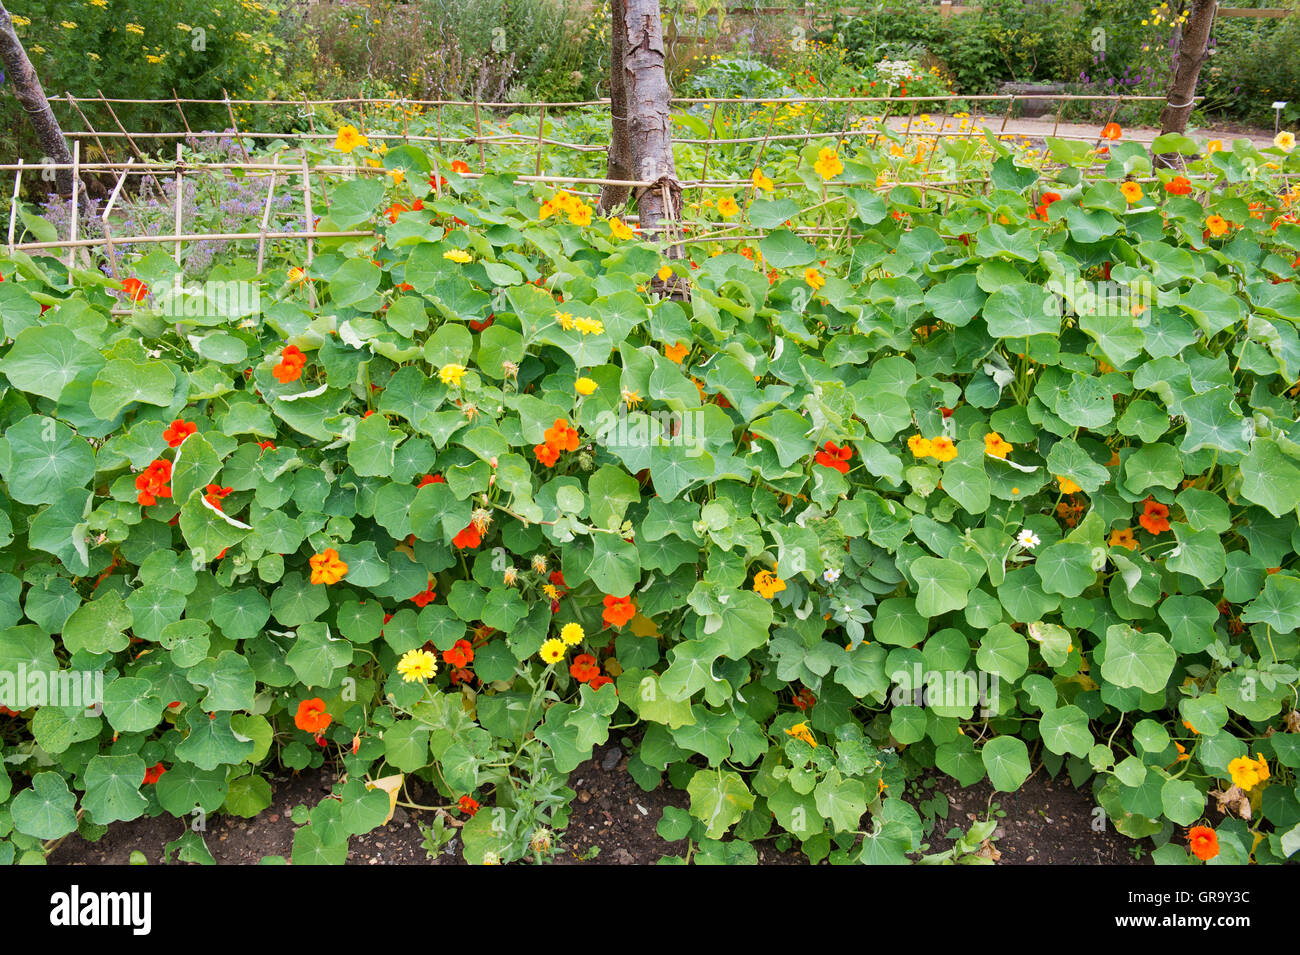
(295, 164)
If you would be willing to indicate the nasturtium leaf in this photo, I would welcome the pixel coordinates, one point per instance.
(1006, 760)
(1135, 658)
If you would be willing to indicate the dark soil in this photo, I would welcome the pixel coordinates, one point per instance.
(613, 823)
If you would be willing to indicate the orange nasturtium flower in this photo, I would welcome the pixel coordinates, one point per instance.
(326, 568)
(833, 456)
(292, 361)
(814, 279)
(460, 655)
(1216, 225)
(618, 610)
(767, 584)
(676, 352)
(1111, 131)
(919, 446)
(584, 668)
(468, 805)
(561, 436)
(1155, 517)
(761, 181)
(349, 138)
(996, 446)
(135, 289)
(178, 431)
(727, 207)
(1179, 186)
(1204, 842)
(151, 483)
(1123, 537)
(546, 454)
(801, 731)
(620, 229)
(469, 538)
(311, 716)
(1132, 192)
(459, 165)
(942, 448)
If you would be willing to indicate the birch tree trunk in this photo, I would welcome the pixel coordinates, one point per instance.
(648, 154)
(27, 90)
(620, 149)
(1193, 50)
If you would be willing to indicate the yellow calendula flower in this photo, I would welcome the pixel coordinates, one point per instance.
(814, 279)
(727, 207)
(451, 374)
(552, 650)
(828, 164)
(801, 731)
(584, 386)
(767, 584)
(620, 230)
(589, 326)
(761, 181)
(349, 138)
(417, 666)
(572, 635)
(1248, 773)
(995, 446)
(459, 256)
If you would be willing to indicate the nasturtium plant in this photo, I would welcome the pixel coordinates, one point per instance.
(970, 483)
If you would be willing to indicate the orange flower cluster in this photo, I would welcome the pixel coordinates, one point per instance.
(832, 456)
(618, 610)
(151, 483)
(292, 362)
(560, 437)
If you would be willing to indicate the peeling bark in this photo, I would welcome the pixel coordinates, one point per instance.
(620, 149)
(1193, 50)
(28, 91)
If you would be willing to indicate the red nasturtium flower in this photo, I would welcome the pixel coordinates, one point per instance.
(459, 165)
(292, 361)
(152, 773)
(424, 597)
(618, 610)
(311, 716)
(1204, 842)
(178, 431)
(431, 479)
(266, 445)
(557, 579)
(804, 699)
(584, 668)
(213, 494)
(1155, 517)
(460, 655)
(151, 483)
(596, 682)
(1111, 131)
(1178, 186)
(469, 538)
(135, 289)
(468, 805)
(833, 456)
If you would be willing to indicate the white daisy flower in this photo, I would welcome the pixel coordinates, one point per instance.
(831, 575)
(1027, 539)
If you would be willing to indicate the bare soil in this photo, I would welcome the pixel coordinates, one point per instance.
(613, 823)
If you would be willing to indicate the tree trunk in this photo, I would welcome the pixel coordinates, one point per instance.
(1193, 50)
(620, 149)
(31, 97)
